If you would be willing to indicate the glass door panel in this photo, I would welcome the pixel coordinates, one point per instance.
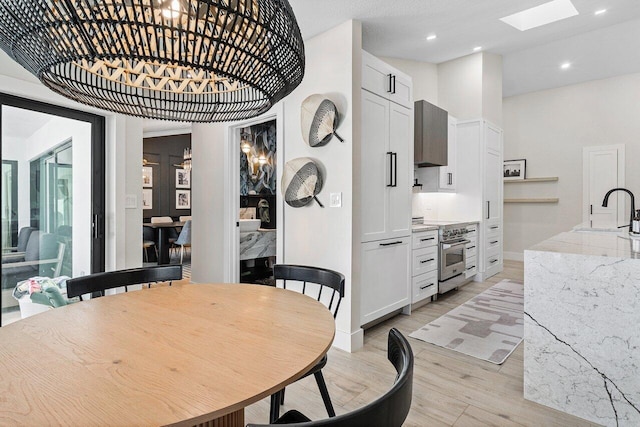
(47, 159)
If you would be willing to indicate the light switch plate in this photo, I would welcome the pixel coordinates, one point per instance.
(131, 201)
(336, 200)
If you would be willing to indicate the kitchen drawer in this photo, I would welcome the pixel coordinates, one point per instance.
(425, 260)
(493, 228)
(425, 239)
(423, 286)
(493, 242)
(472, 232)
(470, 261)
(472, 249)
(493, 260)
(471, 271)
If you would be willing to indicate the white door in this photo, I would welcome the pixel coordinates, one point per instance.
(603, 170)
(376, 171)
(493, 185)
(448, 175)
(400, 139)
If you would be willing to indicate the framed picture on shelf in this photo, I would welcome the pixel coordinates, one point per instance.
(515, 169)
(183, 199)
(183, 178)
(147, 176)
(147, 198)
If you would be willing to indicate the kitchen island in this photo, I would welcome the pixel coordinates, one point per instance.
(582, 326)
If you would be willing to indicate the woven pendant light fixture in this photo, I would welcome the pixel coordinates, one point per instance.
(187, 60)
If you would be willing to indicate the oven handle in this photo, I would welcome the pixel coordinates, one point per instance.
(451, 245)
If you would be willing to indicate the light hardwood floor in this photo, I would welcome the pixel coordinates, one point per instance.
(449, 388)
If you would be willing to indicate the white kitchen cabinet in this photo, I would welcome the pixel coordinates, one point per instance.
(385, 272)
(382, 79)
(471, 261)
(386, 159)
(424, 272)
(480, 181)
(443, 178)
(387, 129)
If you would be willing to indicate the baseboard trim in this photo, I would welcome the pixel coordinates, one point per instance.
(349, 342)
(514, 256)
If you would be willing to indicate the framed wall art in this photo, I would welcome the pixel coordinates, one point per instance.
(515, 169)
(147, 176)
(183, 199)
(147, 198)
(183, 178)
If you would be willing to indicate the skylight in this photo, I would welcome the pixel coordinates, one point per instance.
(544, 14)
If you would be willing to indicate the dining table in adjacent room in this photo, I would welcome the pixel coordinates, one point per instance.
(163, 238)
(187, 354)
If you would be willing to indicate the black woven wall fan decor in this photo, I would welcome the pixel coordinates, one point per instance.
(187, 60)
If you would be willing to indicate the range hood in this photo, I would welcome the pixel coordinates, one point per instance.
(430, 135)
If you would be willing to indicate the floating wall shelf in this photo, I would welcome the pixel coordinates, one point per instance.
(531, 200)
(520, 181)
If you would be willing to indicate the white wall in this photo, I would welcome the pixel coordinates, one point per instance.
(549, 129)
(492, 88)
(313, 235)
(460, 86)
(124, 153)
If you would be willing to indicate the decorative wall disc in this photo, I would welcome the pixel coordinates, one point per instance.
(301, 182)
(319, 120)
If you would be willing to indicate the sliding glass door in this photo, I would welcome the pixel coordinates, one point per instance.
(52, 199)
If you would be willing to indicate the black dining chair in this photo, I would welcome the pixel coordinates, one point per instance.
(314, 281)
(389, 410)
(95, 284)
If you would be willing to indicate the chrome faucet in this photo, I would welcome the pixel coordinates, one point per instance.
(633, 203)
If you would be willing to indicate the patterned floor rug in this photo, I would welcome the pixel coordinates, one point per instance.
(489, 326)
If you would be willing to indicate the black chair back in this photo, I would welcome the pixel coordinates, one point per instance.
(389, 410)
(321, 276)
(99, 282)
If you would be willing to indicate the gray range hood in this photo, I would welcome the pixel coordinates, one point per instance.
(430, 135)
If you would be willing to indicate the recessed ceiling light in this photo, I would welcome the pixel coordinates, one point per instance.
(541, 15)
(477, 48)
(432, 37)
(599, 12)
(566, 65)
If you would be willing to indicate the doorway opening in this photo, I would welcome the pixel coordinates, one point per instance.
(49, 155)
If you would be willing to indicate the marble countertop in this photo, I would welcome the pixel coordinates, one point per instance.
(593, 243)
(416, 228)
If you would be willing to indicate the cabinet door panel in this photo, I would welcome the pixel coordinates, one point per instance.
(400, 138)
(375, 75)
(385, 284)
(448, 174)
(493, 186)
(401, 91)
(375, 173)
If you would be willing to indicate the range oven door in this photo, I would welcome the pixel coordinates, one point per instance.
(452, 260)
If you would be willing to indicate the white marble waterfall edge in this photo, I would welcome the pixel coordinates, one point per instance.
(582, 335)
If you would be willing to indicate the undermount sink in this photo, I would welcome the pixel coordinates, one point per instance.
(247, 225)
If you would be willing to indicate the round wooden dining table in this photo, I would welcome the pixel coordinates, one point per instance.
(192, 354)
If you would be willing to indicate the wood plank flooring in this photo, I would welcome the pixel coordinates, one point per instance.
(449, 388)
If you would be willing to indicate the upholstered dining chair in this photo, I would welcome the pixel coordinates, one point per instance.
(313, 282)
(23, 239)
(43, 256)
(96, 284)
(389, 410)
(184, 239)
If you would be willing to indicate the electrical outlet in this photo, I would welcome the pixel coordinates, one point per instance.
(336, 200)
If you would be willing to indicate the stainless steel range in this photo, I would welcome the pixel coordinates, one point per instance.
(452, 254)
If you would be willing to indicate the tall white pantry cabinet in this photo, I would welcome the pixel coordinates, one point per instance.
(480, 183)
(387, 165)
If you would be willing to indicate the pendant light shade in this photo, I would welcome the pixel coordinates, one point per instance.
(187, 60)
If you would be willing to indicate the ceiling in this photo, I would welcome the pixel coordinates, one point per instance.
(21, 124)
(399, 28)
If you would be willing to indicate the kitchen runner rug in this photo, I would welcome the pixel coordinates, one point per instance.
(489, 326)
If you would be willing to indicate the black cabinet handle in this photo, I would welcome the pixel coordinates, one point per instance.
(493, 261)
(390, 90)
(493, 242)
(450, 178)
(394, 84)
(591, 209)
(390, 154)
(430, 238)
(427, 260)
(494, 227)
(488, 209)
(391, 244)
(395, 169)
(426, 286)
(471, 247)
(471, 268)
